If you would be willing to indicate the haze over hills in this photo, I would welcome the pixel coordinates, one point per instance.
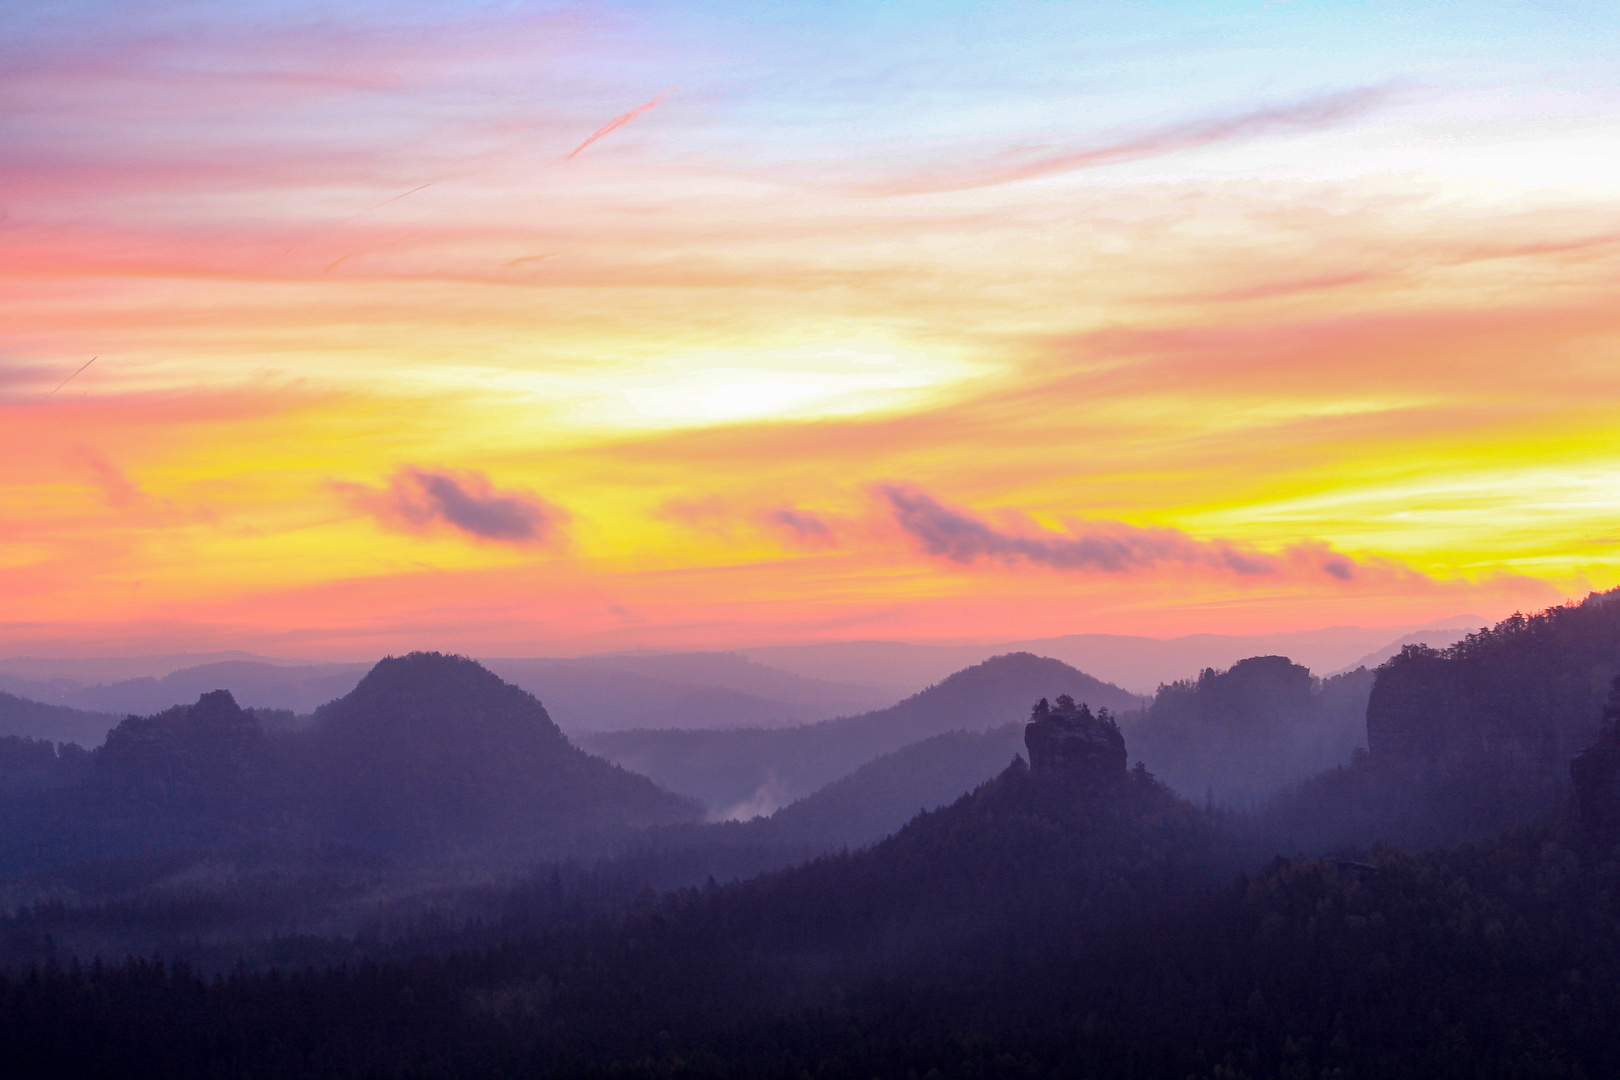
(751, 772)
(93, 670)
(888, 791)
(593, 694)
(1138, 664)
(678, 690)
(298, 687)
(1241, 735)
(773, 686)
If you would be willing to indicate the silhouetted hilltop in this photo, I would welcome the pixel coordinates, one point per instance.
(752, 771)
(430, 756)
(1243, 734)
(433, 750)
(1069, 742)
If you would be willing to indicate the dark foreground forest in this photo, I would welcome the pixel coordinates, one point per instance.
(1012, 935)
(1072, 917)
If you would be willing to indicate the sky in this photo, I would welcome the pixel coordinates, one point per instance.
(336, 329)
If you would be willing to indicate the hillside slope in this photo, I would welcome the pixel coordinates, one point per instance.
(56, 723)
(881, 796)
(744, 773)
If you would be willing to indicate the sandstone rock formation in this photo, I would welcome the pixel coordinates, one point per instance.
(1068, 741)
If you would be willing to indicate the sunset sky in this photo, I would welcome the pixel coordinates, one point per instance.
(529, 328)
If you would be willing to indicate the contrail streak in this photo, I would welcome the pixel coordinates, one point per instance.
(618, 122)
(71, 377)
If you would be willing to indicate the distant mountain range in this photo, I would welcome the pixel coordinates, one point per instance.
(594, 694)
(756, 687)
(1139, 664)
(750, 772)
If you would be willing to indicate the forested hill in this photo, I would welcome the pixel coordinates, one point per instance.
(755, 771)
(55, 723)
(430, 756)
(434, 751)
(1527, 691)
(1468, 740)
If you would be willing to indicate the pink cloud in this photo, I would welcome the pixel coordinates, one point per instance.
(618, 122)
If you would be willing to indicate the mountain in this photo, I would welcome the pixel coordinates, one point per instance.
(430, 756)
(591, 694)
(431, 751)
(1137, 663)
(749, 772)
(53, 723)
(1241, 735)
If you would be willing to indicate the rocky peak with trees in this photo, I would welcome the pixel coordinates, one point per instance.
(1069, 741)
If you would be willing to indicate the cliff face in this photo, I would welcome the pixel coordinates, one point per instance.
(1067, 741)
(1527, 692)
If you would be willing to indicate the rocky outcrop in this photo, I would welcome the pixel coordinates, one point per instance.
(1067, 741)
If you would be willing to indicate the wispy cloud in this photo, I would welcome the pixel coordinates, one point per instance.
(1108, 548)
(1308, 115)
(619, 121)
(801, 528)
(423, 500)
(119, 490)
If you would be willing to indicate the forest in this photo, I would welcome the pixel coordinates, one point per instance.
(1439, 901)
